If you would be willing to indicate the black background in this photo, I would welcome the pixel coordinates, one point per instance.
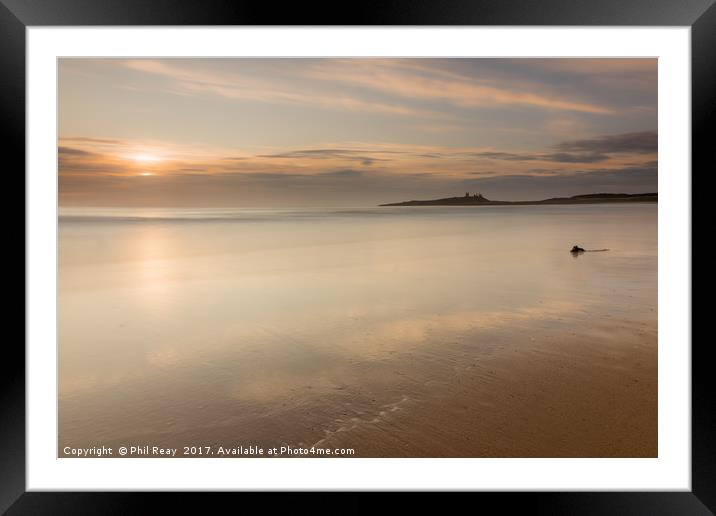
(16, 15)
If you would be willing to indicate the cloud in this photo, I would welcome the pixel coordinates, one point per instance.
(606, 152)
(545, 185)
(641, 143)
(343, 173)
(189, 81)
(83, 139)
(96, 173)
(343, 154)
(81, 161)
(592, 150)
(564, 157)
(557, 157)
(622, 74)
(69, 151)
(340, 187)
(598, 67)
(409, 79)
(344, 84)
(374, 127)
(507, 156)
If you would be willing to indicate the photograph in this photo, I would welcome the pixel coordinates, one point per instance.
(357, 257)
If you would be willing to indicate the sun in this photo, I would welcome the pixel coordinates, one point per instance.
(146, 174)
(145, 158)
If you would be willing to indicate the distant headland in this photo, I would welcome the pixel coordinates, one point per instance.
(478, 200)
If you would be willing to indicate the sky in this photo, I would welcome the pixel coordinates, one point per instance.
(259, 132)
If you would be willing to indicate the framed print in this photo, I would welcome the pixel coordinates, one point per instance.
(421, 249)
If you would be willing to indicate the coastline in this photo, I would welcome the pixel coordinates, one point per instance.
(579, 199)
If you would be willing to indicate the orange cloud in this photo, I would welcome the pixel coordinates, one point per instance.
(233, 85)
(399, 77)
(85, 156)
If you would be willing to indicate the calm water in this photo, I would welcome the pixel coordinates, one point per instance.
(272, 327)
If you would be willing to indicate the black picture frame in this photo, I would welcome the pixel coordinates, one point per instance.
(17, 15)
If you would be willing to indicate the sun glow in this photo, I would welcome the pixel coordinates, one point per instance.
(145, 158)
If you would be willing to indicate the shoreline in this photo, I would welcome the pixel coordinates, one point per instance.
(478, 200)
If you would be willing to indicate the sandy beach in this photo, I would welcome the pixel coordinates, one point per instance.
(568, 397)
(558, 395)
(392, 334)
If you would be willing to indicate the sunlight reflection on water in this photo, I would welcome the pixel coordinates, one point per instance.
(188, 320)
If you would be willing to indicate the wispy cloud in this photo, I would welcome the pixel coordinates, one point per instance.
(89, 157)
(189, 81)
(640, 143)
(591, 150)
(371, 129)
(403, 80)
(408, 79)
(341, 187)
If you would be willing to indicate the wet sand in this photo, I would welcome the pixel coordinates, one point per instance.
(556, 395)
(568, 397)
(458, 333)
